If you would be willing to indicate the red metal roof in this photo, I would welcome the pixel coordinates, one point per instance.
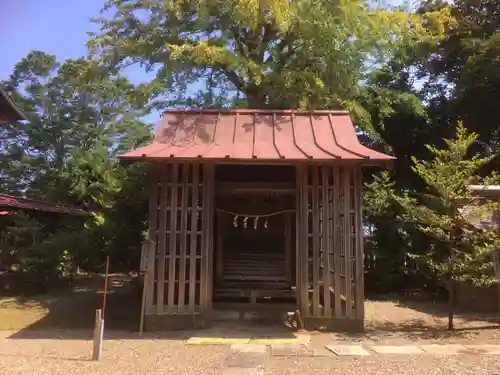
(256, 134)
(36, 205)
(9, 112)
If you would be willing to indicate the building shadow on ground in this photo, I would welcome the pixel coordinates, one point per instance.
(424, 319)
(70, 315)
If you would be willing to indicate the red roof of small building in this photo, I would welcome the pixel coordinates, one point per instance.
(36, 205)
(9, 112)
(257, 134)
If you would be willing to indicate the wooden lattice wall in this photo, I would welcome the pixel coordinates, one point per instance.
(330, 246)
(178, 282)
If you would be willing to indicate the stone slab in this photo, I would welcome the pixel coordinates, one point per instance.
(243, 371)
(483, 349)
(264, 341)
(442, 349)
(248, 348)
(400, 349)
(245, 360)
(291, 350)
(216, 341)
(348, 350)
(296, 339)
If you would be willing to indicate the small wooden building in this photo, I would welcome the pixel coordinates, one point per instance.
(9, 112)
(255, 210)
(10, 203)
(468, 296)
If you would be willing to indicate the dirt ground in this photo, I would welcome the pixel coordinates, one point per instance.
(51, 335)
(387, 321)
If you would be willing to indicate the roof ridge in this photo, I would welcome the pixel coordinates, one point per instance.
(257, 111)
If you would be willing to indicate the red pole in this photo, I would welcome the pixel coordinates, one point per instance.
(105, 287)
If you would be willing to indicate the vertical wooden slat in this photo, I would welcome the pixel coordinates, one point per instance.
(316, 242)
(183, 236)
(336, 242)
(205, 237)
(220, 252)
(204, 242)
(347, 240)
(326, 242)
(302, 249)
(298, 236)
(173, 236)
(305, 244)
(149, 279)
(360, 285)
(288, 247)
(162, 235)
(220, 246)
(210, 215)
(194, 238)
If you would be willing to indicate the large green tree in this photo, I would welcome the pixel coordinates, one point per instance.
(80, 116)
(77, 111)
(454, 78)
(462, 251)
(276, 53)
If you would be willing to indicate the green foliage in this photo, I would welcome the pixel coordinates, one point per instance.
(462, 251)
(378, 196)
(405, 76)
(277, 54)
(80, 116)
(76, 111)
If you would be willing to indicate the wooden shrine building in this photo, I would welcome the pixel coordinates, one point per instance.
(255, 209)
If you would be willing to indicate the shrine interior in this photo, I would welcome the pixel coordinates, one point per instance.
(254, 258)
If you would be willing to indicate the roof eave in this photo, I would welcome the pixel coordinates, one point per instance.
(20, 115)
(364, 162)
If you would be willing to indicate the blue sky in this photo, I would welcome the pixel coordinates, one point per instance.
(58, 27)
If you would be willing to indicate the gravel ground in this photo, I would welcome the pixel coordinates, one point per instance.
(51, 336)
(150, 356)
(463, 365)
(54, 357)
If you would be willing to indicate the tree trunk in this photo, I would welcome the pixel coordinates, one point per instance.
(451, 304)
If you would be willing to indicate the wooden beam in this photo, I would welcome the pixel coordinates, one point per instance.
(347, 240)
(288, 247)
(162, 237)
(186, 170)
(220, 247)
(302, 248)
(360, 287)
(326, 244)
(173, 237)
(337, 241)
(211, 246)
(149, 279)
(206, 237)
(194, 238)
(298, 236)
(255, 187)
(315, 242)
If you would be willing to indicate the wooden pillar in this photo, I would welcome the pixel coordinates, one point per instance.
(288, 247)
(359, 245)
(329, 247)
(181, 223)
(302, 249)
(152, 243)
